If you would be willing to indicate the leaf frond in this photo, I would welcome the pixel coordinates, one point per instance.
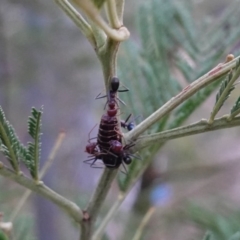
(10, 144)
(223, 86)
(34, 148)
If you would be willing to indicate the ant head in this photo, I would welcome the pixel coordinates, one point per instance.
(130, 126)
(91, 148)
(127, 159)
(114, 84)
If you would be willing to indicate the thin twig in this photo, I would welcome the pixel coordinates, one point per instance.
(77, 19)
(143, 223)
(100, 193)
(69, 207)
(112, 14)
(96, 201)
(43, 171)
(178, 99)
(52, 154)
(192, 129)
(122, 195)
(99, 232)
(92, 12)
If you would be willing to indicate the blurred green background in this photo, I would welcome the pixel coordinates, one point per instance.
(45, 60)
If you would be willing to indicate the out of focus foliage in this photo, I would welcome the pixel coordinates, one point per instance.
(220, 226)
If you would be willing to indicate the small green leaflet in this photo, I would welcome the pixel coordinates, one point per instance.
(236, 106)
(33, 148)
(224, 84)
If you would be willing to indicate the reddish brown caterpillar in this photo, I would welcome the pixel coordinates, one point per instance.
(108, 146)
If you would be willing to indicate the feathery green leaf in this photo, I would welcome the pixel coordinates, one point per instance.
(10, 144)
(33, 149)
(223, 86)
(226, 88)
(236, 107)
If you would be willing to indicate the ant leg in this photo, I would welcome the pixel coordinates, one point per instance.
(124, 90)
(121, 101)
(126, 147)
(118, 132)
(94, 162)
(96, 167)
(123, 123)
(99, 97)
(89, 138)
(128, 118)
(113, 166)
(87, 160)
(92, 138)
(108, 152)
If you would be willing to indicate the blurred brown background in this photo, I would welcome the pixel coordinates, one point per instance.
(45, 60)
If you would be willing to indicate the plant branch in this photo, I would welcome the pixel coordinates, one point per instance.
(96, 201)
(69, 207)
(143, 223)
(100, 193)
(192, 129)
(178, 99)
(99, 232)
(43, 171)
(112, 14)
(77, 19)
(92, 12)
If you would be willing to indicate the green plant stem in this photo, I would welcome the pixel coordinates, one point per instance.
(108, 56)
(232, 115)
(144, 222)
(122, 195)
(96, 201)
(99, 232)
(77, 19)
(192, 129)
(112, 14)
(69, 207)
(99, 36)
(43, 171)
(222, 98)
(178, 99)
